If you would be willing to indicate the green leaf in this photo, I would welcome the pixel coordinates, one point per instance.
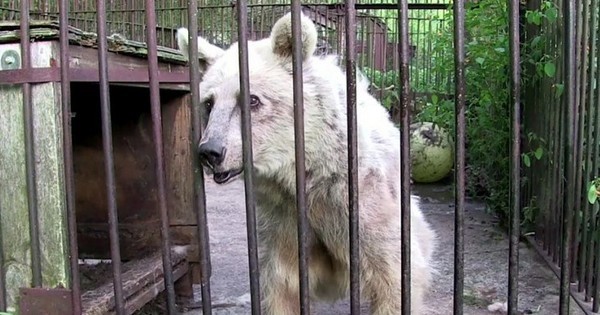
(551, 14)
(526, 160)
(536, 40)
(539, 152)
(529, 16)
(592, 194)
(534, 17)
(559, 90)
(434, 99)
(480, 60)
(550, 69)
(500, 49)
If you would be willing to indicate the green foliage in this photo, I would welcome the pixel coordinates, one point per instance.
(438, 111)
(386, 83)
(540, 148)
(594, 191)
(488, 96)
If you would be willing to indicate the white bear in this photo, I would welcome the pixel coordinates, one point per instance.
(272, 124)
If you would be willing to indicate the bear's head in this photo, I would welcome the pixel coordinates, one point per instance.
(271, 100)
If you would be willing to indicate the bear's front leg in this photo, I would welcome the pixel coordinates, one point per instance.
(278, 264)
(279, 285)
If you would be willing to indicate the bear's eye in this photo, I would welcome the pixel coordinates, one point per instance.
(208, 104)
(254, 101)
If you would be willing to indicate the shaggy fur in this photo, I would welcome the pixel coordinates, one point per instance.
(326, 173)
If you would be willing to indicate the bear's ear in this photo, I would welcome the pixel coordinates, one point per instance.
(207, 52)
(281, 37)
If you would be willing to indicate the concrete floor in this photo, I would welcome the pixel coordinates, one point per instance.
(486, 259)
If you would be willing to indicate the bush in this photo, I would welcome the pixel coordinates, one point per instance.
(487, 94)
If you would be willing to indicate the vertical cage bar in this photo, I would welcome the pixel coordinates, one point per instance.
(350, 32)
(555, 235)
(595, 165)
(404, 155)
(587, 238)
(582, 30)
(109, 166)
(198, 117)
(515, 183)
(592, 167)
(556, 143)
(65, 92)
(157, 134)
(242, 9)
(300, 157)
(460, 99)
(2, 275)
(569, 155)
(32, 202)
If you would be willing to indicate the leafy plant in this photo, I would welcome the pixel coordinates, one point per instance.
(594, 191)
(540, 147)
(487, 110)
(386, 83)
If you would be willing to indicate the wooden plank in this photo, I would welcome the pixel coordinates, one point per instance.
(49, 182)
(47, 119)
(82, 57)
(142, 281)
(136, 239)
(13, 193)
(142, 297)
(45, 30)
(178, 148)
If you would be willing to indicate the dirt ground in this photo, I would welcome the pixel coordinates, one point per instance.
(486, 259)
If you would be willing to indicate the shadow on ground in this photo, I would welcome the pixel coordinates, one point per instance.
(486, 259)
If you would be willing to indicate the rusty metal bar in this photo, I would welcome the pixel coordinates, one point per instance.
(586, 238)
(596, 208)
(157, 134)
(350, 32)
(65, 92)
(198, 117)
(460, 122)
(404, 155)
(515, 181)
(242, 10)
(303, 225)
(358, 6)
(588, 265)
(556, 197)
(582, 33)
(2, 274)
(32, 202)
(109, 166)
(570, 60)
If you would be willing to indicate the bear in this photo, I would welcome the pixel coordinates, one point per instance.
(326, 165)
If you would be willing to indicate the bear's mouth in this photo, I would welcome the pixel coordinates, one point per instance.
(224, 177)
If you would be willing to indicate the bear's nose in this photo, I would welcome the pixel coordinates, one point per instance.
(212, 153)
